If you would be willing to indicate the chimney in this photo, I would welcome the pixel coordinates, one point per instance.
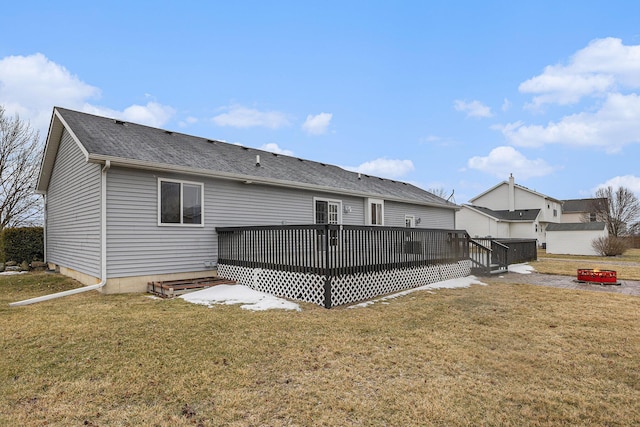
(512, 194)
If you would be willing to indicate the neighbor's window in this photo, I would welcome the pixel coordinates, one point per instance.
(180, 202)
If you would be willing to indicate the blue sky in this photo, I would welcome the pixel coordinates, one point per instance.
(449, 95)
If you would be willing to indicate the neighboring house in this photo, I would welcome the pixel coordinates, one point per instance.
(574, 238)
(577, 230)
(580, 210)
(129, 204)
(509, 210)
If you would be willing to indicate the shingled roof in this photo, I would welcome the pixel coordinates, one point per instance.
(506, 215)
(580, 205)
(134, 145)
(577, 226)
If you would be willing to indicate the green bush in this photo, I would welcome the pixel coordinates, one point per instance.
(22, 244)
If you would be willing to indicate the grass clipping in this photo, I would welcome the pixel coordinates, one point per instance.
(486, 355)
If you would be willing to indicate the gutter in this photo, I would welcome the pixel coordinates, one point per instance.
(103, 250)
(144, 165)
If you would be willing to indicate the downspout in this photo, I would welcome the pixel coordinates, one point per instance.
(103, 250)
(44, 228)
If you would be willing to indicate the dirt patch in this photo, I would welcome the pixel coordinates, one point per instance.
(628, 287)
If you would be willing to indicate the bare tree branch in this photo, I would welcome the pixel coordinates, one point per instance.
(619, 209)
(20, 153)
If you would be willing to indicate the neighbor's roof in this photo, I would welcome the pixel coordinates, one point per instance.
(506, 215)
(579, 205)
(521, 187)
(133, 145)
(576, 226)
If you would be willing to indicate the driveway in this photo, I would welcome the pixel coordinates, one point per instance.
(628, 287)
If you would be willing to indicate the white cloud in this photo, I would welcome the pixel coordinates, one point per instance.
(506, 105)
(614, 125)
(605, 65)
(188, 121)
(151, 114)
(473, 108)
(430, 138)
(502, 161)
(388, 168)
(630, 182)
(318, 124)
(272, 147)
(32, 85)
(243, 117)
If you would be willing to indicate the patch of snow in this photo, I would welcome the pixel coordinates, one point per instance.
(11, 273)
(258, 301)
(239, 294)
(462, 282)
(521, 268)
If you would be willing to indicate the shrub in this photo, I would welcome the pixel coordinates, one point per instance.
(22, 244)
(609, 246)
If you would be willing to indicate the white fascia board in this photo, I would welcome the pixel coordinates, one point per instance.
(54, 137)
(489, 190)
(479, 212)
(518, 186)
(138, 164)
(544, 196)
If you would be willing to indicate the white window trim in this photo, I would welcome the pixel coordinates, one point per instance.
(181, 182)
(322, 199)
(368, 211)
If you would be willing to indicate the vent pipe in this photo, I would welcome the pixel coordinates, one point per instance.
(257, 159)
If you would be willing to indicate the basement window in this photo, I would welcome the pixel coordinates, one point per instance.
(180, 202)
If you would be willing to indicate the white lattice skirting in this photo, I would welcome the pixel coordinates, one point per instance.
(344, 289)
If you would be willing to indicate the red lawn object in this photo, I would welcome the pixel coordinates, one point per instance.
(602, 277)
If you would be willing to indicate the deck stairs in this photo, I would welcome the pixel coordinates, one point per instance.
(497, 269)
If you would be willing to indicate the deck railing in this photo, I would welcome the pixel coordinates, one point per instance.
(339, 253)
(338, 249)
(498, 254)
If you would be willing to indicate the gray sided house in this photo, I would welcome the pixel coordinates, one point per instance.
(128, 204)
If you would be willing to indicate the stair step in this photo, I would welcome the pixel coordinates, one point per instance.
(172, 288)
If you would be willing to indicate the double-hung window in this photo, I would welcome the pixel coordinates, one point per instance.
(375, 212)
(180, 202)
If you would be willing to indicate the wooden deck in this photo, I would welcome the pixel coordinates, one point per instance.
(173, 288)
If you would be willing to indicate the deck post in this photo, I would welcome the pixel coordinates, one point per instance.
(327, 267)
(327, 291)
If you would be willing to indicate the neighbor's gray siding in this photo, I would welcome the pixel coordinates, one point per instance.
(430, 217)
(137, 246)
(73, 211)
